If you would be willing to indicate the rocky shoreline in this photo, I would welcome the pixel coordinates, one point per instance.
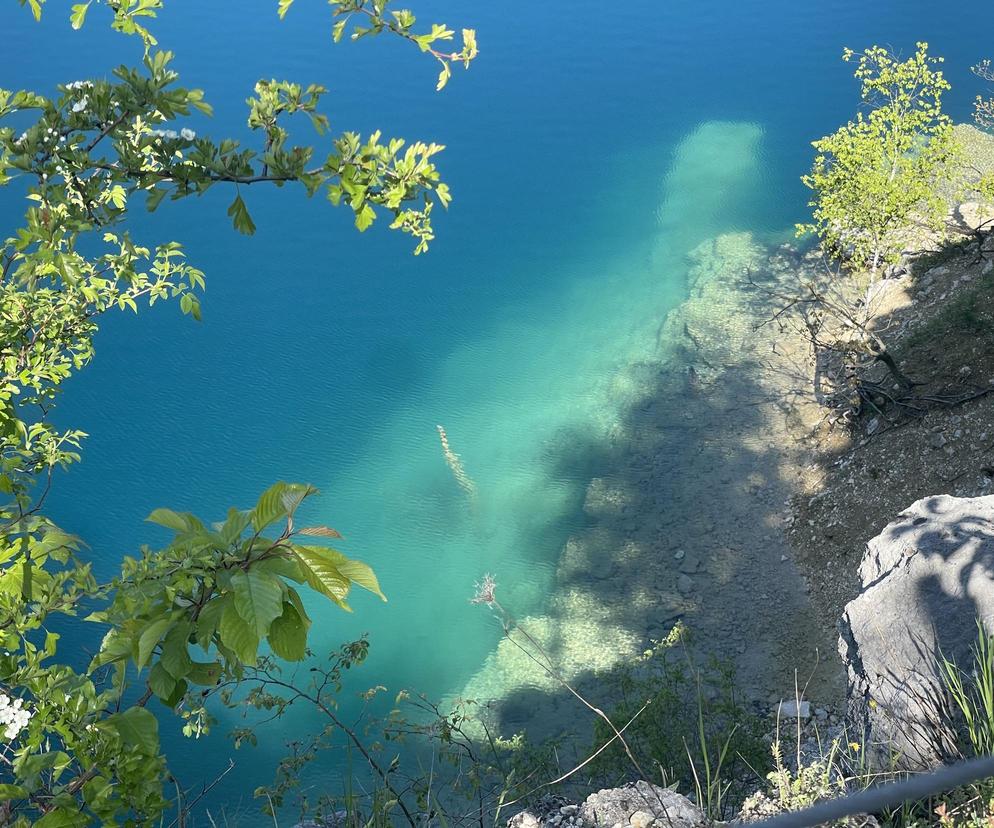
(687, 521)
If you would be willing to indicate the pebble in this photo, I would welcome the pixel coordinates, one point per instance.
(937, 440)
(684, 584)
(679, 555)
(641, 819)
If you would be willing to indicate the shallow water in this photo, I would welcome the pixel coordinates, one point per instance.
(588, 154)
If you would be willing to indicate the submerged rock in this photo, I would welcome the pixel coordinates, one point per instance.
(926, 580)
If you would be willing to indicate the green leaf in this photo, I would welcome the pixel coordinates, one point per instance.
(138, 728)
(284, 6)
(169, 519)
(153, 198)
(161, 683)
(236, 523)
(286, 567)
(337, 30)
(210, 619)
(206, 675)
(8, 792)
(78, 15)
(175, 657)
(238, 635)
(444, 196)
(62, 817)
(443, 76)
(258, 599)
(240, 217)
(116, 646)
(150, 637)
(355, 571)
(288, 634)
(364, 217)
(272, 504)
(323, 575)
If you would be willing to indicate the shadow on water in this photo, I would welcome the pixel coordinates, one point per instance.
(685, 513)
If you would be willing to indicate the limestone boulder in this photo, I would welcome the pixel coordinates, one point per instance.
(926, 579)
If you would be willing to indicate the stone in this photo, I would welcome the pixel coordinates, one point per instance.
(641, 819)
(619, 805)
(552, 811)
(792, 709)
(684, 584)
(926, 579)
(937, 440)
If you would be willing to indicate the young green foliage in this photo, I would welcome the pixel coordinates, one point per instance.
(875, 175)
(78, 745)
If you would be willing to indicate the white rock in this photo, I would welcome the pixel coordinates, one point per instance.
(641, 819)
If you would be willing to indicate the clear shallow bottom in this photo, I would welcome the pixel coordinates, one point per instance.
(581, 182)
(553, 381)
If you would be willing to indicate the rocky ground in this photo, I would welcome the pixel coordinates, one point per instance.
(942, 333)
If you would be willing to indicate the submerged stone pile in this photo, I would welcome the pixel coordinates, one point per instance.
(685, 518)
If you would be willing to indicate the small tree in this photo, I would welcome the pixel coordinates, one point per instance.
(877, 175)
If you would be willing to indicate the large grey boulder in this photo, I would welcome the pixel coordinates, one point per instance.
(640, 805)
(926, 579)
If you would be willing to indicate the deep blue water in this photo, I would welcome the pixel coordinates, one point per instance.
(588, 149)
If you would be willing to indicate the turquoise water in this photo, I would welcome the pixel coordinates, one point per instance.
(588, 151)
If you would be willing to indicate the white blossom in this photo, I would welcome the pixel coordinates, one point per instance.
(79, 85)
(81, 104)
(14, 717)
(187, 134)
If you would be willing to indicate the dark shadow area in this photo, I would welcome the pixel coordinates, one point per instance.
(686, 523)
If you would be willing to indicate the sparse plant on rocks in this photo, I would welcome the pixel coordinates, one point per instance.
(696, 730)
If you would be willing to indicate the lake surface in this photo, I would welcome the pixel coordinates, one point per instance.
(589, 149)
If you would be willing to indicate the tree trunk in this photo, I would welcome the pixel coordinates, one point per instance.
(883, 356)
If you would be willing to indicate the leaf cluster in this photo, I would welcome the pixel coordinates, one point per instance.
(883, 169)
(182, 624)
